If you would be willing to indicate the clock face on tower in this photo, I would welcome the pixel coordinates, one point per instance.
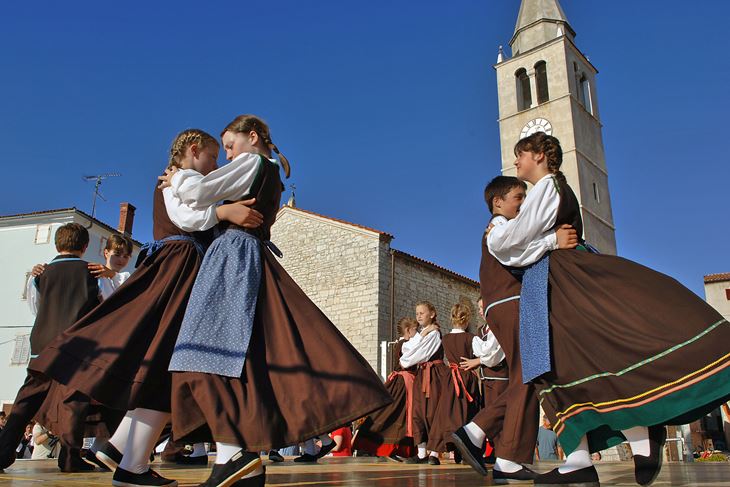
(536, 125)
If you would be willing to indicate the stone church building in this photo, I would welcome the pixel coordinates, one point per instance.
(361, 283)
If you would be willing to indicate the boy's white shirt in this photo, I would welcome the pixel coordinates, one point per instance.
(419, 349)
(527, 237)
(488, 350)
(107, 285)
(230, 182)
(31, 295)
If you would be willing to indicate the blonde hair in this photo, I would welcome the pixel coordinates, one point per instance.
(460, 316)
(247, 123)
(431, 308)
(405, 324)
(185, 139)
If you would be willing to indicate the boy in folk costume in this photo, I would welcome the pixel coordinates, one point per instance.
(459, 397)
(249, 353)
(388, 432)
(66, 291)
(510, 420)
(119, 353)
(614, 346)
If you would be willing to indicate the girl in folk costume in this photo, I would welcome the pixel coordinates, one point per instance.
(388, 432)
(248, 363)
(119, 353)
(616, 350)
(425, 350)
(459, 395)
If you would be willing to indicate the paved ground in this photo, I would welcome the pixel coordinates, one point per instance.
(353, 472)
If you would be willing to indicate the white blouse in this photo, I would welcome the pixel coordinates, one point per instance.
(488, 350)
(419, 349)
(230, 182)
(107, 285)
(188, 219)
(527, 237)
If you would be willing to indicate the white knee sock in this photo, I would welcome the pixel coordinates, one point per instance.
(638, 438)
(224, 452)
(434, 454)
(506, 466)
(144, 430)
(199, 450)
(422, 450)
(475, 433)
(325, 439)
(580, 458)
(119, 438)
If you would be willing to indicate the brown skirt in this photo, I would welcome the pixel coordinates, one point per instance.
(631, 347)
(301, 378)
(385, 432)
(425, 408)
(454, 410)
(118, 354)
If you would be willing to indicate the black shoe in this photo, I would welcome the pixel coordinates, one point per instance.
(457, 456)
(646, 469)
(257, 481)
(432, 460)
(275, 456)
(123, 478)
(395, 458)
(306, 458)
(240, 464)
(90, 457)
(523, 474)
(69, 461)
(7, 458)
(200, 460)
(325, 450)
(470, 453)
(585, 477)
(415, 460)
(108, 454)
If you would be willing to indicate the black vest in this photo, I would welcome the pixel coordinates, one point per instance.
(67, 291)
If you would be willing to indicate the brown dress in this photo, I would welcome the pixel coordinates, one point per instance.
(427, 389)
(389, 430)
(459, 397)
(118, 354)
(301, 377)
(630, 346)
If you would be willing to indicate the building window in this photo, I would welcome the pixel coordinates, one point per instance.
(524, 95)
(543, 94)
(596, 194)
(24, 294)
(21, 351)
(102, 245)
(43, 234)
(727, 294)
(584, 93)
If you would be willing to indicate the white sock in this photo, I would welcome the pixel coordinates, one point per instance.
(119, 438)
(225, 451)
(422, 450)
(506, 466)
(434, 454)
(580, 458)
(476, 435)
(325, 439)
(199, 450)
(638, 438)
(144, 430)
(309, 447)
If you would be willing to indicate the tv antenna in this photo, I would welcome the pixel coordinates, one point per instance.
(98, 178)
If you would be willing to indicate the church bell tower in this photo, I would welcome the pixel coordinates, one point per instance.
(549, 85)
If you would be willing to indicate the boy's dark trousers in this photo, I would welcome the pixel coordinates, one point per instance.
(29, 400)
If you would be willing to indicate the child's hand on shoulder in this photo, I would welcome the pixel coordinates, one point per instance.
(99, 270)
(37, 270)
(489, 228)
(165, 178)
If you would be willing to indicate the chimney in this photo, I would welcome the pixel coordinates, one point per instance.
(126, 218)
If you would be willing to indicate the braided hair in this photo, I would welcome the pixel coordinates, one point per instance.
(542, 143)
(185, 139)
(248, 123)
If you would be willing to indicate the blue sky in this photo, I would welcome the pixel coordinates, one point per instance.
(386, 110)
